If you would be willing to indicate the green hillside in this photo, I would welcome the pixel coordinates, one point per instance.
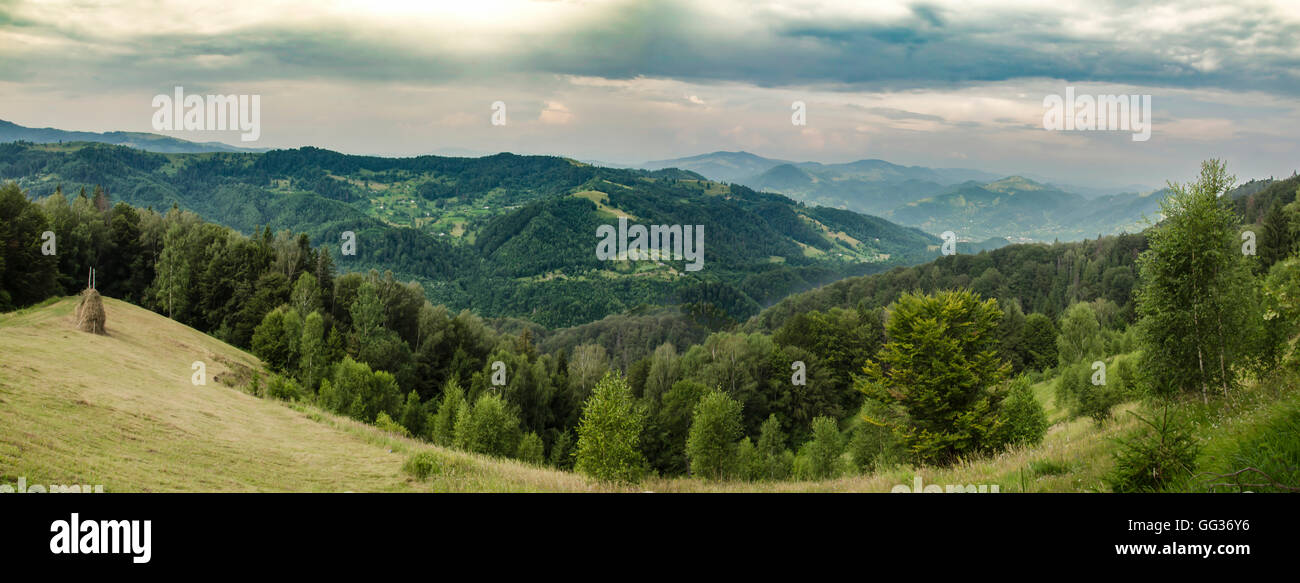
(503, 235)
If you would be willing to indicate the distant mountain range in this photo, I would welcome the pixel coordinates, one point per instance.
(12, 132)
(974, 204)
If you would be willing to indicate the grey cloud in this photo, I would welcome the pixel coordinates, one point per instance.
(673, 39)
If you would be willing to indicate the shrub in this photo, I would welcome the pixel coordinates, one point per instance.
(387, 425)
(422, 464)
(1021, 419)
(360, 393)
(1075, 391)
(283, 388)
(1154, 459)
(255, 385)
(488, 427)
(801, 468)
(1048, 468)
(531, 449)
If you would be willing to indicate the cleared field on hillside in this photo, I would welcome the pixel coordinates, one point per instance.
(120, 410)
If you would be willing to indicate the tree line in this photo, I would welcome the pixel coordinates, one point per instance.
(940, 371)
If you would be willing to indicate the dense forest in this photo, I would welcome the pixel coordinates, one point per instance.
(925, 364)
(506, 236)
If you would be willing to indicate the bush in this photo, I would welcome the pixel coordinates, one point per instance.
(1075, 391)
(387, 425)
(488, 427)
(283, 388)
(801, 468)
(422, 464)
(254, 387)
(360, 393)
(531, 449)
(1154, 459)
(1021, 419)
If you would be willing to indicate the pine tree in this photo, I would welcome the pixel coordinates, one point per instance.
(412, 417)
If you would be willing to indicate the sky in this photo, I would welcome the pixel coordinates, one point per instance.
(934, 83)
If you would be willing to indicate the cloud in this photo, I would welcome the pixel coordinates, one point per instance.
(555, 113)
(902, 80)
(886, 46)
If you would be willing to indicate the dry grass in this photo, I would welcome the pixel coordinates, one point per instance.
(120, 410)
(90, 312)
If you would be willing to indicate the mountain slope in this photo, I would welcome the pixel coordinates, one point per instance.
(120, 410)
(504, 235)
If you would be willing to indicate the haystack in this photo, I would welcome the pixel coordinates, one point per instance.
(90, 312)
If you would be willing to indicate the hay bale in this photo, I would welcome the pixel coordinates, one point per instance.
(90, 312)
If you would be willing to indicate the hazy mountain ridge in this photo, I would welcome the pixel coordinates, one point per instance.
(12, 132)
(976, 205)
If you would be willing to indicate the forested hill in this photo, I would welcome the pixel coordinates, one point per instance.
(504, 235)
(1047, 278)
